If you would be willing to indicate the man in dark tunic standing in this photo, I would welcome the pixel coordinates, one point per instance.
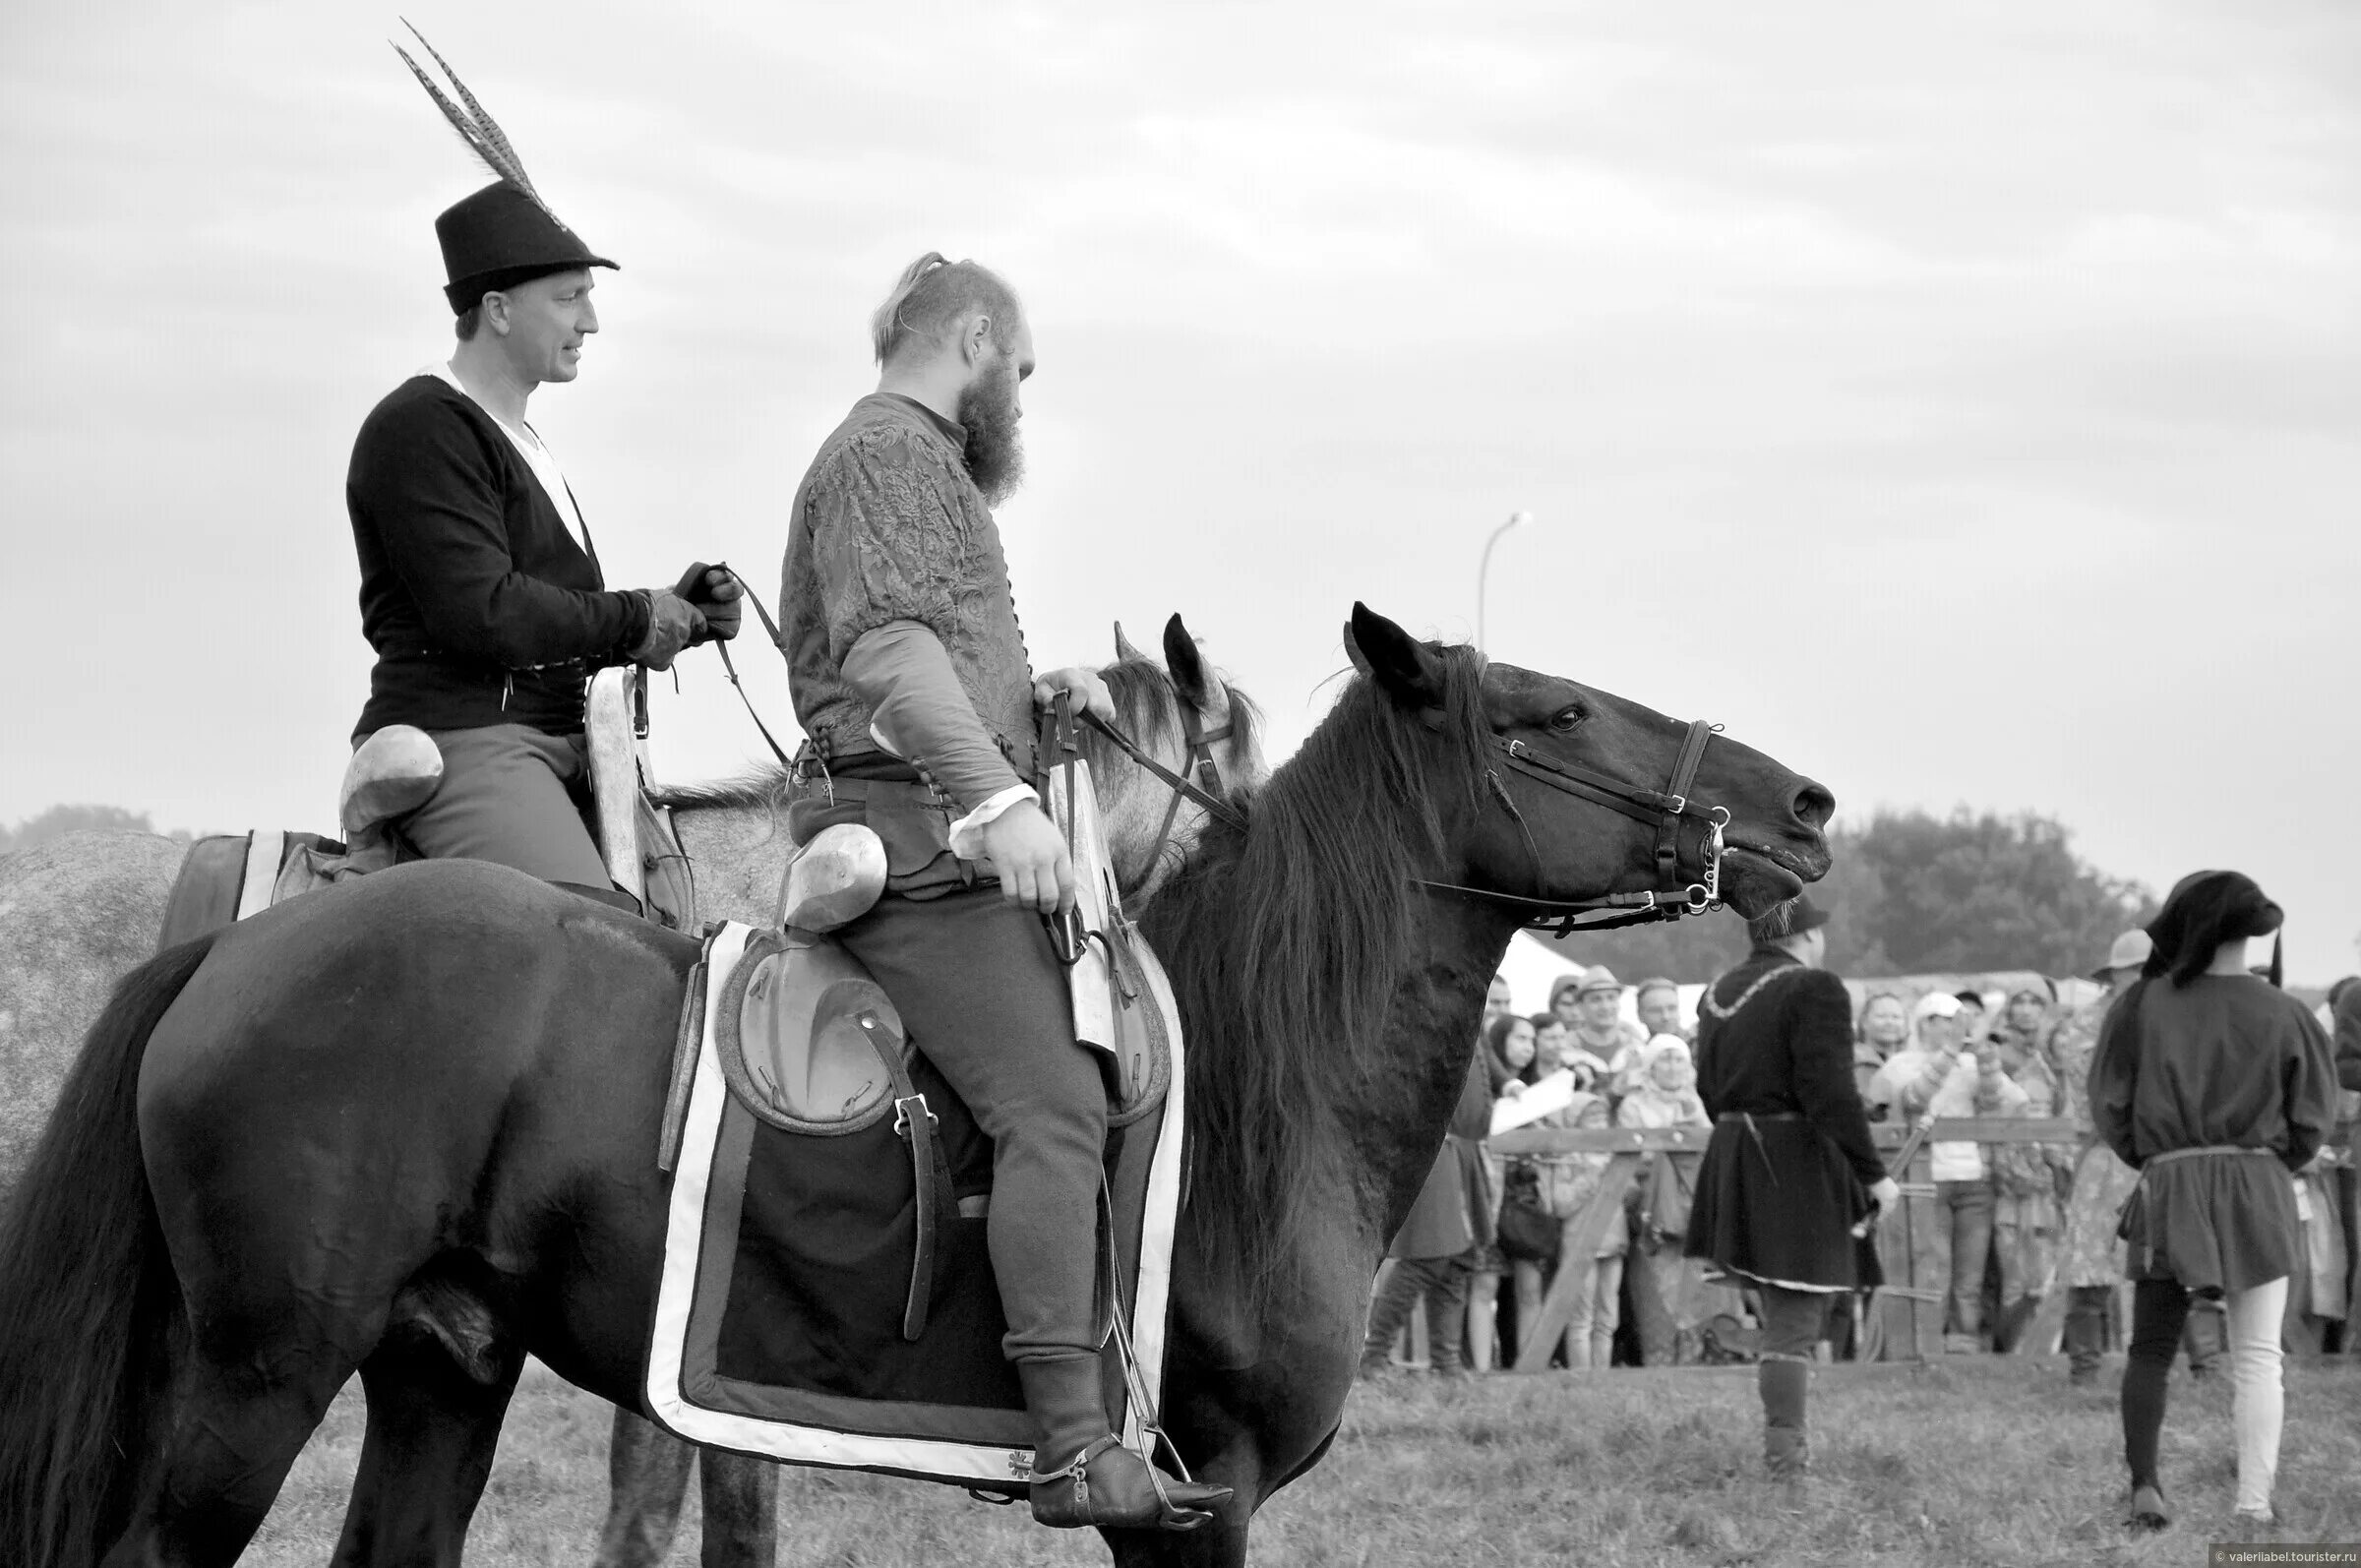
(916, 696)
(480, 591)
(2215, 1085)
(1790, 1166)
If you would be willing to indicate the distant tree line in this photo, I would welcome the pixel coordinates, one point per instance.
(1913, 893)
(59, 821)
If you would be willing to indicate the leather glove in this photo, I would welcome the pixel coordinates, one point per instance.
(673, 622)
(717, 595)
(1885, 1194)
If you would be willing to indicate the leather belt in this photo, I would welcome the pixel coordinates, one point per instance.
(883, 790)
(2210, 1148)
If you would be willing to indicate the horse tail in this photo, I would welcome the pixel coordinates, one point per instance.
(87, 1294)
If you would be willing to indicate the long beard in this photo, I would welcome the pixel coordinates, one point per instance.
(995, 447)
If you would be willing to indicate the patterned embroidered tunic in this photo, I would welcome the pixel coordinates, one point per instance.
(887, 526)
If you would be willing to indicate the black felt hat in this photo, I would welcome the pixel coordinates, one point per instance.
(503, 234)
(501, 237)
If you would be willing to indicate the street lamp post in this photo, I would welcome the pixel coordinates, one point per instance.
(1485, 571)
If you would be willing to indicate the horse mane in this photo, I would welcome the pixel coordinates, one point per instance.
(1285, 944)
(1147, 707)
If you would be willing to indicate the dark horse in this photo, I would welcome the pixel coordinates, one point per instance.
(411, 1133)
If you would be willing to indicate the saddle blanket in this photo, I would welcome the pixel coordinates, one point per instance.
(232, 875)
(779, 1325)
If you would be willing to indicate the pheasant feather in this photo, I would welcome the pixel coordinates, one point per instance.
(485, 125)
(481, 133)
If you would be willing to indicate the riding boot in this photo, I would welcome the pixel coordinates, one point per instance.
(1783, 1386)
(1082, 1475)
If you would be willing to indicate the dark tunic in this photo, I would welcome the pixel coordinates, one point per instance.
(482, 607)
(1777, 1197)
(2226, 1062)
(1453, 1211)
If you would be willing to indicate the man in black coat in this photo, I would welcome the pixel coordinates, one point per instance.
(480, 589)
(1790, 1166)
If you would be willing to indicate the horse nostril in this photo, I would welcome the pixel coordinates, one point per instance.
(1814, 805)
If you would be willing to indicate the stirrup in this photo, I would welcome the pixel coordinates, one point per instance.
(1054, 1507)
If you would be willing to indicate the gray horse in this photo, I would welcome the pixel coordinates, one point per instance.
(78, 914)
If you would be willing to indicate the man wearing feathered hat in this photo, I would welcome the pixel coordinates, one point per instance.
(480, 587)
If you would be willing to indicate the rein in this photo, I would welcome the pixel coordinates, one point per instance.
(778, 641)
(1664, 810)
(1199, 780)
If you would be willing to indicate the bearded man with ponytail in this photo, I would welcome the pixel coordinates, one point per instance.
(916, 696)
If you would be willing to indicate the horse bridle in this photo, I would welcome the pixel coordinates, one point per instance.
(1059, 748)
(1199, 778)
(1664, 810)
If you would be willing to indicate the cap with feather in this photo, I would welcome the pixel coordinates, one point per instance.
(505, 234)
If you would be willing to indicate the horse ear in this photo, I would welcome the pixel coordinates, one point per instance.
(1180, 656)
(1360, 660)
(1406, 667)
(1125, 653)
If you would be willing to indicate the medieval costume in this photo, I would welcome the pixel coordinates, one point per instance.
(480, 589)
(1790, 1165)
(2214, 1086)
(912, 683)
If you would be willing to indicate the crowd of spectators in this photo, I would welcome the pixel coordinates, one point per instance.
(2016, 1220)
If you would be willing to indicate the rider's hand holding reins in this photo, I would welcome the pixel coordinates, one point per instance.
(718, 596)
(1028, 855)
(1088, 691)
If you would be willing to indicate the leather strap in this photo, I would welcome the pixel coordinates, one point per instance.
(204, 895)
(770, 629)
(730, 669)
(930, 1170)
(1684, 773)
(686, 1042)
(1129, 747)
(1662, 810)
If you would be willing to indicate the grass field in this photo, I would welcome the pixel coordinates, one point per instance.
(1984, 1461)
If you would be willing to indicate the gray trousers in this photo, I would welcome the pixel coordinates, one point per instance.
(514, 795)
(985, 998)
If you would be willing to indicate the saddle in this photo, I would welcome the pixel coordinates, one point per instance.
(395, 772)
(812, 1045)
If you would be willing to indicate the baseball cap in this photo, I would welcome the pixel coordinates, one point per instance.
(1935, 1004)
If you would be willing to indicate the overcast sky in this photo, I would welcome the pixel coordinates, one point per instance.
(1965, 409)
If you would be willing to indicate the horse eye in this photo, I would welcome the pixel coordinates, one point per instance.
(1566, 718)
